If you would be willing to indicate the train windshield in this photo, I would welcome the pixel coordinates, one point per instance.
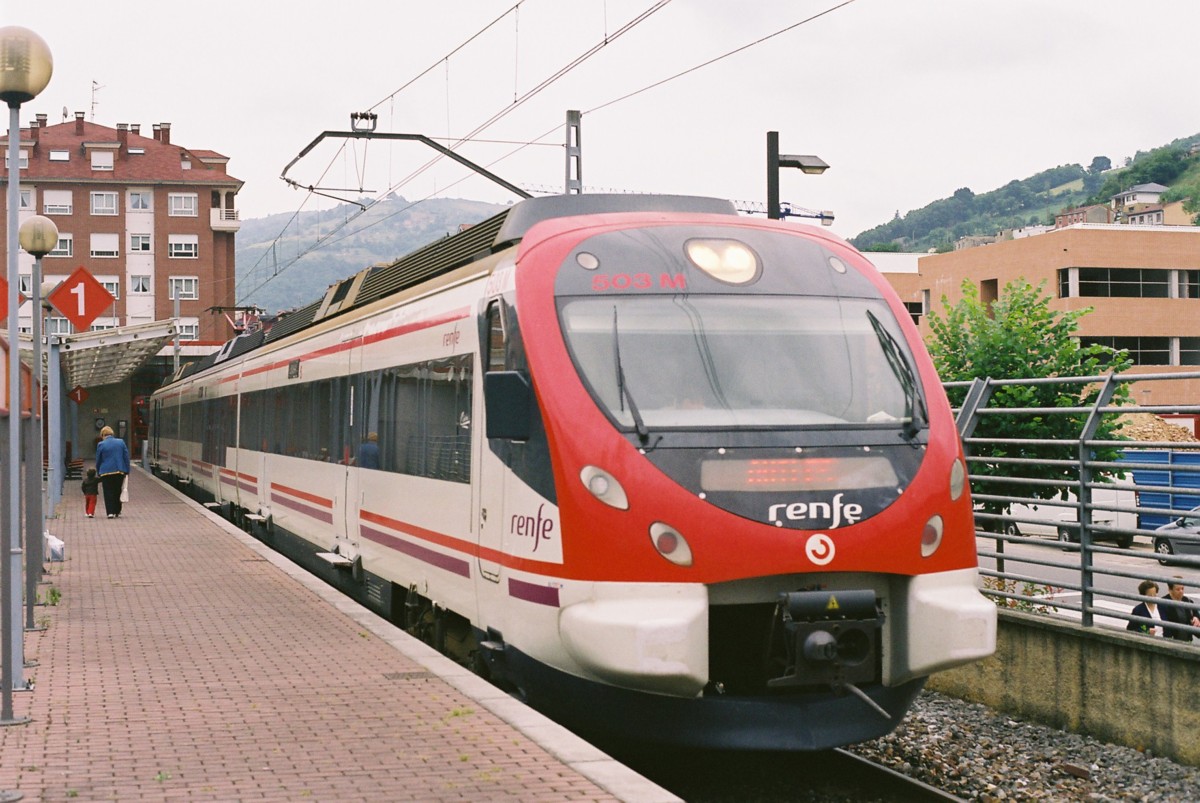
(663, 362)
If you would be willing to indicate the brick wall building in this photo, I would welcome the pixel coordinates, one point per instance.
(1142, 283)
(150, 219)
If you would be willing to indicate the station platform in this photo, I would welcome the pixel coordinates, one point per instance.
(184, 660)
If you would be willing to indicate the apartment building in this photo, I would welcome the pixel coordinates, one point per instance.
(1141, 282)
(154, 222)
(151, 220)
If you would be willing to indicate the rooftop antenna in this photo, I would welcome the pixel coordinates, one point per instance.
(95, 88)
(65, 113)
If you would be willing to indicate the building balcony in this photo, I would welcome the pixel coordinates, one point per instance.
(224, 220)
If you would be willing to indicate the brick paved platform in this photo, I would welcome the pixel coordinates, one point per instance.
(186, 661)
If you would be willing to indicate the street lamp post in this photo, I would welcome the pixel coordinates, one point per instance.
(812, 165)
(38, 236)
(25, 68)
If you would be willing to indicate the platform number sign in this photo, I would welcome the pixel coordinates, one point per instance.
(81, 299)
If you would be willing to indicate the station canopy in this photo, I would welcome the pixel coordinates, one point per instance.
(108, 356)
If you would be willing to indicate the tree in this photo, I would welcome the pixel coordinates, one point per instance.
(1100, 164)
(1018, 336)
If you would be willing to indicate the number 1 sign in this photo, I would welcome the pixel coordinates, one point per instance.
(80, 298)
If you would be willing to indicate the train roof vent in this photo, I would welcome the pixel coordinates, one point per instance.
(524, 215)
(239, 345)
(293, 321)
(247, 342)
(340, 296)
(436, 258)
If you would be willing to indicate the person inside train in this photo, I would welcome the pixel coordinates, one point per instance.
(1146, 610)
(1182, 614)
(368, 452)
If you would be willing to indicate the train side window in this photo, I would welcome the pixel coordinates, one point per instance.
(496, 341)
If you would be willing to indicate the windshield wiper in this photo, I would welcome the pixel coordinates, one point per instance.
(904, 375)
(623, 394)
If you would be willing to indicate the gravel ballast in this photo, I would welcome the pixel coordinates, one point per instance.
(976, 753)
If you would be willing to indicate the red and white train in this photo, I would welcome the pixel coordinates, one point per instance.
(670, 472)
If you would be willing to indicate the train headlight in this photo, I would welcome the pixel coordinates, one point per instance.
(931, 536)
(604, 486)
(958, 479)
(726, 261)
(670, 544)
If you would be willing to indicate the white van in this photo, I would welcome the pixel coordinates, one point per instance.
(1059, 519)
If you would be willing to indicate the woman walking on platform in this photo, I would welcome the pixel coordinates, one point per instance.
(112, 464)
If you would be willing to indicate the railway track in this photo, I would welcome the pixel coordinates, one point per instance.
(834, 776)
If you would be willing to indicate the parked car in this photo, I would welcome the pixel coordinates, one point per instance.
(1179, 537)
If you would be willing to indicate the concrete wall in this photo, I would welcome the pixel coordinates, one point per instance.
(110, 402)
(1120, 687)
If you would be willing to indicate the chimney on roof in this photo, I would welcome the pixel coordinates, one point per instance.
(136, 128)
(34, 130)
(165, 133)
(79, 123)
(157, 129)
(123, 135)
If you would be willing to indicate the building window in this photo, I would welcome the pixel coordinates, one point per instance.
(139, 285)
(26, 199)
(58, 326)
(106, 245)
(182, 204)
(140, 200)
(1189, 283)
(60, 156)
(56, 202)
(183, 246)
(183, 287)
(1142, 350)
(915, 309)
(112, 285)
(25, 287)
(1124, 283)
(22, 160)
(104, 203)
(139, 243)
(189, 329)
(102, 160)
(1189, 351)
(65, 247)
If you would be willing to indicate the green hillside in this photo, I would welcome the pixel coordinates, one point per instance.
(287, 260)
(1035, 200)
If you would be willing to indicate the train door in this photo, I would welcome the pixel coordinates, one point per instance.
(492, 471)
(346, 514)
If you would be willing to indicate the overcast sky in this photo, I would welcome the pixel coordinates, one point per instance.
(907, 101)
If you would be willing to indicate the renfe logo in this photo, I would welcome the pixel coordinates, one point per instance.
(819, 511)
(534, 527)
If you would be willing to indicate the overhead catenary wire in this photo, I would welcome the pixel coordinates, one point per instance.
(518, 100)
(578, 60)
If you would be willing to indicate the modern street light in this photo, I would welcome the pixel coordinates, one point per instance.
(25, 69)
(38, 236)
(812, 165)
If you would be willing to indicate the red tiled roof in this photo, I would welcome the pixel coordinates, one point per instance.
(159, 164)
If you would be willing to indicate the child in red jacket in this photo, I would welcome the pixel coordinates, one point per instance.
(91, 487)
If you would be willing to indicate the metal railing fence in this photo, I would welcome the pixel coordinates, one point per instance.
(1071, 514)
